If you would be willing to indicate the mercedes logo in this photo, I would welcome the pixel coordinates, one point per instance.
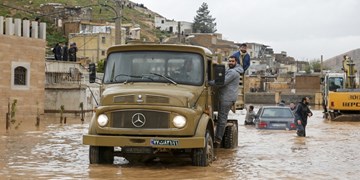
(138, 120)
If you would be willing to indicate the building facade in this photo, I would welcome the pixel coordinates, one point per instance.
(172, 26)
(22, 56)
(93, 39)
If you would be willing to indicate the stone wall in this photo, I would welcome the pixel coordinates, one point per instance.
(307, 84)
(67, 84)
(70, 98)
(260, 98)
(29, 53)
(275, 97)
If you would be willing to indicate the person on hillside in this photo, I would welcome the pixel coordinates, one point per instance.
(65, 52)
(57, 51)
(72, 52)
(242, 57)
(227, 96)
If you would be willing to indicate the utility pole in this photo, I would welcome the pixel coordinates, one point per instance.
(118, 22)
(179, 35)
(321, 66)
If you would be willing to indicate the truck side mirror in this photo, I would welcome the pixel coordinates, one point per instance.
(92, 72)
(219, 74)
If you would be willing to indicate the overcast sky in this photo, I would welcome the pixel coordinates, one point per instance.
(305, 29)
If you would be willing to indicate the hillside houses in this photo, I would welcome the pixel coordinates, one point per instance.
(93, 38)
(171, 26)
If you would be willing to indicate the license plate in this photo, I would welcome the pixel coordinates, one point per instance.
(164, 142)
(142, 150)
(278, 125)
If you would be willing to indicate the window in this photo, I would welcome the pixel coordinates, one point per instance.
(277, 113)
(20, 76)
(103, 53)
(103, 40)
(155, 67)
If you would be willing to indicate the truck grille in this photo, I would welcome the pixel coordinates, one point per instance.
(140, 119)
(157, 99)
(124, 99)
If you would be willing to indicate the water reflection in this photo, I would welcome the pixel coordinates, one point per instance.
(55, 151)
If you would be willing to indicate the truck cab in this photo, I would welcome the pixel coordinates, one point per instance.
(155, 100)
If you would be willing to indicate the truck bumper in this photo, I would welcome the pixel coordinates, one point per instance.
(154, 142)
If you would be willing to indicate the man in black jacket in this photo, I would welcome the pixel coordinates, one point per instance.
(57, 51)
(302, 113)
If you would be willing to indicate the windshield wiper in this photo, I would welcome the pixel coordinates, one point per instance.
(165, 77)
(127, 75)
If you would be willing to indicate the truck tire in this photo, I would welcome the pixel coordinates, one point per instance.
(204, 156)
(101, 155)
(230, 138)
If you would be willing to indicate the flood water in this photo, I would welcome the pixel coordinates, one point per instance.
(55, 151)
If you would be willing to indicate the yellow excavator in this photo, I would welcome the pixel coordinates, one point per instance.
(341, 94)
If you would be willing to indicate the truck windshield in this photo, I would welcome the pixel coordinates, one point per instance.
(335, 83)
(154, 66)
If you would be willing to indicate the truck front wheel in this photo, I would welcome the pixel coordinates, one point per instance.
(204, 156)
(101, 155)
(230, 138)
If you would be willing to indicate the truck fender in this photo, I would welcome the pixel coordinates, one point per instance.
(205, 123)
(92, 129)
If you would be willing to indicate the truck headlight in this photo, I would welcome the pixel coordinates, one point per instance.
(102, 120)
(179, 121)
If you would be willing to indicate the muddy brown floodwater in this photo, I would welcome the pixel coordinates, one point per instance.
(55, 151)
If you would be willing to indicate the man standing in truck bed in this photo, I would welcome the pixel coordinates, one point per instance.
(242, 57)
(227, 96)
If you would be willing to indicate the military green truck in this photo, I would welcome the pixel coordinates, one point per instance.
(155, 101)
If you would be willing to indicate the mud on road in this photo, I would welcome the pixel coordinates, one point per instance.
(55, 151)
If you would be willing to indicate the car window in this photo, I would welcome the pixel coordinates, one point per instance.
(259, 112)
(277, 113)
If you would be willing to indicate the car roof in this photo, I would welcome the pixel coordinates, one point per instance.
(279, 107)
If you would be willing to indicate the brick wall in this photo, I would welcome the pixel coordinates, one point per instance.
(16, 51)
(270, 98)
(307, 83)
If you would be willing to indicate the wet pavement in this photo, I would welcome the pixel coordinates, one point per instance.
(55, 151)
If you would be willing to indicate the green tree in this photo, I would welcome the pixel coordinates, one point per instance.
(315, 65)
(203, 21)
(100, 66)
